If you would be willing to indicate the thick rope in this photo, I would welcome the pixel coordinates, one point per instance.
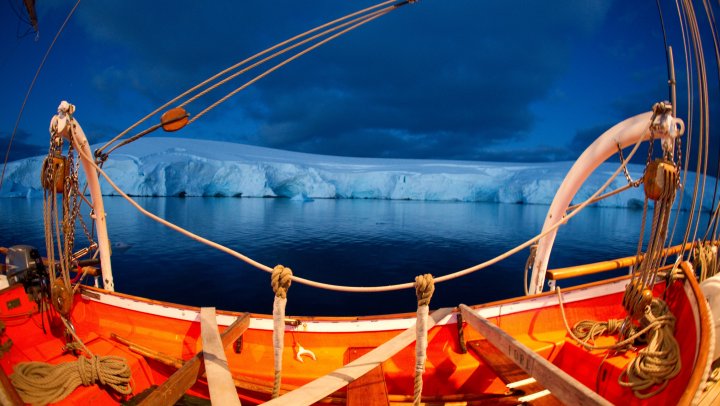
(237, 66)
(362, 289)
(424, 288)
(30, 88)
(39, 383)
(655, 364)
(280, 280)
(588, 330)
(704, 259)
(659, 361)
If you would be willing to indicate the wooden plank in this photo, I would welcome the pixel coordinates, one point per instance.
(508, 371)
(611, 265)
(563, 386)
(505, 368)
(184, 378)
(220, 382)
(369, 389)
(321, 387)
(8, 394)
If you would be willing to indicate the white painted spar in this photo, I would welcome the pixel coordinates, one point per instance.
(65, 125)
(625, 133)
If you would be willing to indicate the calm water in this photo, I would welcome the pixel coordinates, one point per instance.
(352, 242)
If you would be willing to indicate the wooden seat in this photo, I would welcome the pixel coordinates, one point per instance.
(178, 383)
(508, 371)
(220, 381)
(566, 388)
(370, 389)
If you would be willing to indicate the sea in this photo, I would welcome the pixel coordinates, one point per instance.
(347, 242)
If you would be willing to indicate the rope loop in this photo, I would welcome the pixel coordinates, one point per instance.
(280, 280)
(588, 330)
(42, 383)
(424, 289)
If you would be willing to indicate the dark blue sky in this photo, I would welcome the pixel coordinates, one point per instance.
(440, 79)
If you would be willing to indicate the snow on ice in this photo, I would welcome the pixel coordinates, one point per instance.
(186, 167)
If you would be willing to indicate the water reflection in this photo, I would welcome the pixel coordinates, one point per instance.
(351, 242)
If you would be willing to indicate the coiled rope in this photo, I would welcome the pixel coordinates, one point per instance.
(655, 364)
(659, 361)
(424, 288)
(588, 330)
(39, 383)
(280, 280)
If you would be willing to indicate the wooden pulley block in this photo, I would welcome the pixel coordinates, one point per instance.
(660, 179)
(62, 297)
(174, 119)
(53, 173)
(636, 298)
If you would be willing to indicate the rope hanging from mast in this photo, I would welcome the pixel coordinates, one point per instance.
(30, 88)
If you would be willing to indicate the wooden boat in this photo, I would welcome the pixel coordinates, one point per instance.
(67, 343)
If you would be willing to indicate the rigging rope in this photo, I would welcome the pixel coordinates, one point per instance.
(30, 88)
(360, 289)
(367, 17)
(705, 259)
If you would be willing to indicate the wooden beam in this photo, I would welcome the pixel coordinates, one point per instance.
(509, 372)
(604, 266)
(8, 395)
(220, 382)
(369, 389)
(184, 378)
(321, 387)
(561, 385)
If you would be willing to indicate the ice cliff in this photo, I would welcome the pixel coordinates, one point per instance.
(186, 167)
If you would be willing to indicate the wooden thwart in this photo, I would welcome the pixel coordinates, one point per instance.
(320, 388)
(508, 371)
(8, 394)
(561, 385)
(178, 383)
(369, 389)
(220, 381)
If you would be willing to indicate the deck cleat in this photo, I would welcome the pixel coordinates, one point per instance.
(300, 351)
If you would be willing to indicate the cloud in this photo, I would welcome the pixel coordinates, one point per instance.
(20, 147)
(454, 76)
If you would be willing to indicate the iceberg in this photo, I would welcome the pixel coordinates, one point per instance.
(191, 167)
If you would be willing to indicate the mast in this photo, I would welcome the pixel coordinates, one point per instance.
(65, 125)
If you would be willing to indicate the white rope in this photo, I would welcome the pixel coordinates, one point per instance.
(362, 289)
(278, 340)
(421, 343)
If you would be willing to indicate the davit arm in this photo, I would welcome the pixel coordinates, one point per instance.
(625, 134)
(65, 125)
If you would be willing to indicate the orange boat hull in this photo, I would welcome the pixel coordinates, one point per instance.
(172, 332)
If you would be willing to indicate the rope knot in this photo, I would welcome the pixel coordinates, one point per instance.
(87, 370)
(424, 288)
(280, 280)
(42, 383)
